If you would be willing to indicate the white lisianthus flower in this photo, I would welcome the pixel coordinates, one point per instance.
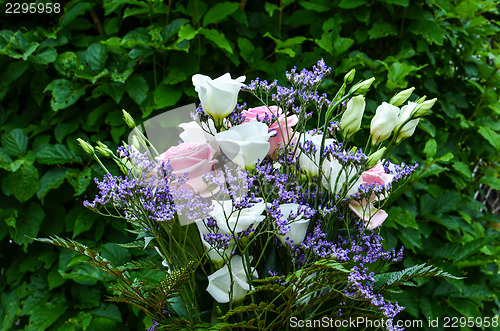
(351, 119)
(297, 226)
(336, 176)
(246, 143)
(230, 283)
(230, 220)
(408, 129)
(310, 163)
(218, 96)
(195, 132)
(384, 121)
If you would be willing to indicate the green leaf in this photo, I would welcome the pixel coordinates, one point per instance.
(350, 4)
(315, 6)
(80, 180)
(108, 310)
(45, 314)
(430, 148)
(342, 44)
(465, 307)
(114, 89)
(96, 57)
(64, 93)
(172, 28)
(28, 224)
(84, 222)
(56, 154)
(24, 182)
(75, 11)
(403, 3)
(382, 29)
(15, 142)
(115, 254)
(490, 135)
(429, 30)
(137, 88)
(218, 38)
(462, 168)
(219, 12)
(166, 96)
(13, 72)
(48, 55)
(187, 32)
(52, 179)
(64, 129)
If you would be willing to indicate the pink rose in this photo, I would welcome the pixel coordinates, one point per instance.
(195, 159)
(377, 175)
(280, 123)
(372, 216)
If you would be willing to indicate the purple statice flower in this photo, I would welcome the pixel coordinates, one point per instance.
(284, 96)
(345, 157)
(308, 80)
(218, 240)
(334, 127)
(400, 171)
(260, 88)
(149, 191)
(199, 115)
(361, 288)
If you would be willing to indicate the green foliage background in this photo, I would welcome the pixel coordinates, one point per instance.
(68, 75)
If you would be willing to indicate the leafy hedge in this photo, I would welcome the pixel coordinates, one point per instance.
(68, 75)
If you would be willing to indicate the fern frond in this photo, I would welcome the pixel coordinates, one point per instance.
(421, 270)
(142, 264)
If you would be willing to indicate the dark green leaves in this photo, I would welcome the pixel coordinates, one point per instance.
(219, 12)
(15, 142)
(64, 93)
(137, 88)
(56, 154)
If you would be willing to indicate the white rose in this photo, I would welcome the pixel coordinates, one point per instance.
(230, 283)
(218, 96)
(246, 143)
(384, 121)
(298, 226)
(309, 163)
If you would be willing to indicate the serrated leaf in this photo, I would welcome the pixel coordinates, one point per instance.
(166, 96)
(218, 38)
(96, 56)
(219, 12)
(24, 182)
(490, 135)
(28, 224)
(80, 180)
(350, 4)
(115, 254)
(64, 129)
(114, 89)
(172, 28)
(15, 142)
(84, 222)
(52, 179)
(71, 13)
(56, 154)
(48, 55)
(137, 88)
(430, 148)
(64, 93)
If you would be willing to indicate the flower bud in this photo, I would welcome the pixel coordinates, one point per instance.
(86, 146)
(401, 97)
(384, 121)
(362, 87)
(422, 99)
(375, 157)
(351, 119)
(407, 130)
(424, 107)
(349, 77)
(128, 119)
(104, 150)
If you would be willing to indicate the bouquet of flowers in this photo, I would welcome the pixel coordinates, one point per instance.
(266, 217)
